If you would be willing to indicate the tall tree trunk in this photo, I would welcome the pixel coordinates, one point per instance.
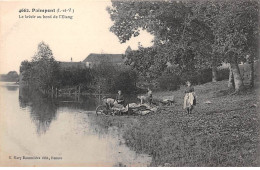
(214, 69)
(231, 83)
(239, 85)
(214, 73)
(252, 71)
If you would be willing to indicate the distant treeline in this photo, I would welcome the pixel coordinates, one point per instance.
(11, 76)
(44, 73)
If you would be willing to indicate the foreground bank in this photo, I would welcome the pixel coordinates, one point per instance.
(223, 130)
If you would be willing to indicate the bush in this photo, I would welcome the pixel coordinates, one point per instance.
(205, 76)
(12, 76)
(197, 77)
(169, 82)
(111, 78)
(125, 81)
(223, 74)
(189, 76)
(74, 77)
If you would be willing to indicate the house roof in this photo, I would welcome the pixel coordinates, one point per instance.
(114, 58)
(72, 64)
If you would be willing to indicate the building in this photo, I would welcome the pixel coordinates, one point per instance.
(69, 65)
(96, 59)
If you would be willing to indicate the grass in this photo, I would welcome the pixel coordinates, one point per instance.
(223, 133)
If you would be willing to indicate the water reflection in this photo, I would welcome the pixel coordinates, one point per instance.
(67, 127)
(88, 103)
(42, 110)
(12, 88)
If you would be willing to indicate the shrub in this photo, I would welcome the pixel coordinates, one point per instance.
(125, 81)
(223, 74)
(206, 75)
(12, 76)
(74, 77)
(172, 82)
(169, 82)
(193, 77)
(111, 78)
(197, 77)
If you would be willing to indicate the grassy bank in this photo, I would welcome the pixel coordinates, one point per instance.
(223, 133)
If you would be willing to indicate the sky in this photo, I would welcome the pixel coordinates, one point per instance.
(88, 32)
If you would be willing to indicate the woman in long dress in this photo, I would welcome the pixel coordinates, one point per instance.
(150, 96)
(189, 98)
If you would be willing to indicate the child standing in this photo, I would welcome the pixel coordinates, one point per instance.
(189, 98)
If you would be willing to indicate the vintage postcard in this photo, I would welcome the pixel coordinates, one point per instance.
(129, 83)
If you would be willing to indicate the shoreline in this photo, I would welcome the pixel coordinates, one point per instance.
(224, 133)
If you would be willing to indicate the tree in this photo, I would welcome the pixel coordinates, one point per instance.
(231, 83)
(75, 77)
(42, 72)
(252, 70)
(25, 71)
(233, 28)
(177, 30)
(236, 38)
(11, 76)
(179, 37)
(147, 61)
(213, 32)
(45, 68)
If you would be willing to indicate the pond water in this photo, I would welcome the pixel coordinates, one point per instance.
(38, 129)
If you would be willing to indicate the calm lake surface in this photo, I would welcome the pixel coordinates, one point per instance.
(34, 126)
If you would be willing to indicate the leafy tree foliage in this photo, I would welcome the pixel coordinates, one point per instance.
(11, 76)
(42, 71)
(75, 77)
(190, 33)
(25, 70)
(109, 78)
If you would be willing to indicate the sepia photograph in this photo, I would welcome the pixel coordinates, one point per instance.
(129, 83)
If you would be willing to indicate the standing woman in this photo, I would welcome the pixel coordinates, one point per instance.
(150, 95)
(189, 98)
